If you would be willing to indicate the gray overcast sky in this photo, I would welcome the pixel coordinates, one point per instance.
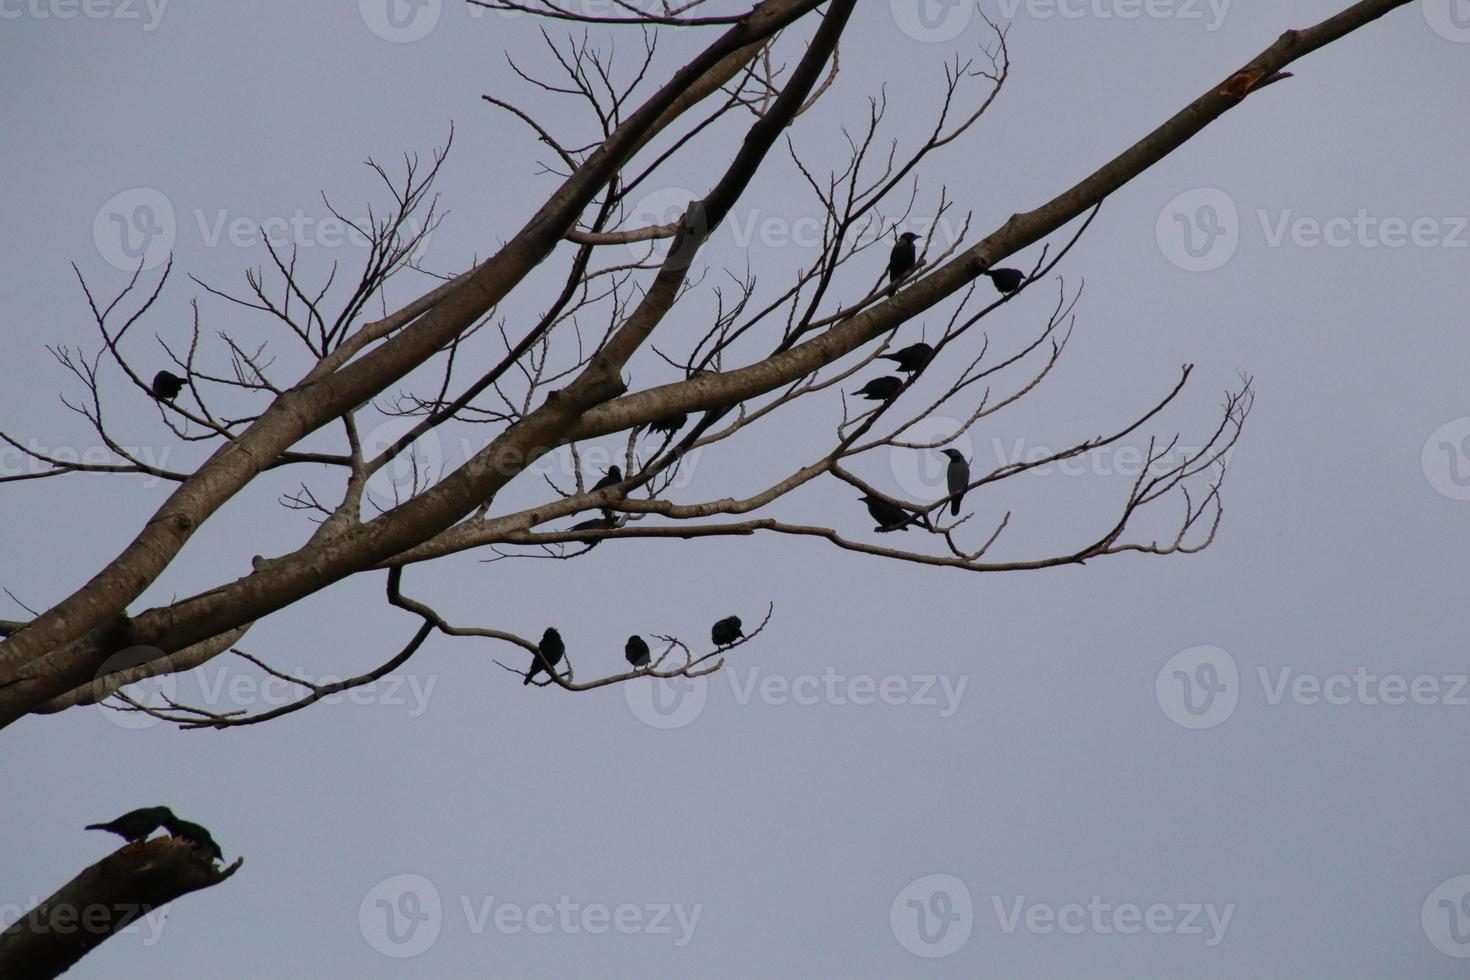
(1049, 777)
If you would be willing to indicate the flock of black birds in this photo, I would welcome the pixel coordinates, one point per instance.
(914, 358)
(911, 360)
(551, 649)
(136, 825)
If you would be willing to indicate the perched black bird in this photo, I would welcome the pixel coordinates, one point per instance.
(890, 517)
(901, 260)
(548, 653)
(726, 631)
(636, 651)
(136, 824)
(914, 357)
(669, 424)
(957, 477)
(614, 475)
(167, 385)
(604, 523)
(880, 389)
(194, 834)
(1006, 280)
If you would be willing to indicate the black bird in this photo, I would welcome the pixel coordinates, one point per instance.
(880, 389)
(136, 824)
(167, 385)
(914, 357)
(957, 476)
(614, 475)
(548, 653)
(669, 424)
(636, 651)
(890, 517)
(194, 834)
(1006, 280)
(901, 260)
(726, 631)
(604, 523)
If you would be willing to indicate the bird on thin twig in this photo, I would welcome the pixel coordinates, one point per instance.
(902, 259)
(195, 835)
(913, 358)
(166, 386)
(548, 654)
(890, 517)
(880, 389)
(1006, 280)
(636, 650)
(957, 478)
(726, 631)
(136, 824)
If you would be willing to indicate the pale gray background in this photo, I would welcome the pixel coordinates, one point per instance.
(795, 826)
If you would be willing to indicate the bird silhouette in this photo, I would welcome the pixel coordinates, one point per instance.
(604, 523)
(669, 424)
(1006, 280)
(195, 835)
(636, 651)
(957, 478)
(726, 631)
(903, 257)
(880, 389)
(167, 385)
(914, 357)
(548, 654)
(136, 824)
(613, 476)
(890, 517)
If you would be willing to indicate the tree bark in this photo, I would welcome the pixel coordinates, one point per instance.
(101, 901)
